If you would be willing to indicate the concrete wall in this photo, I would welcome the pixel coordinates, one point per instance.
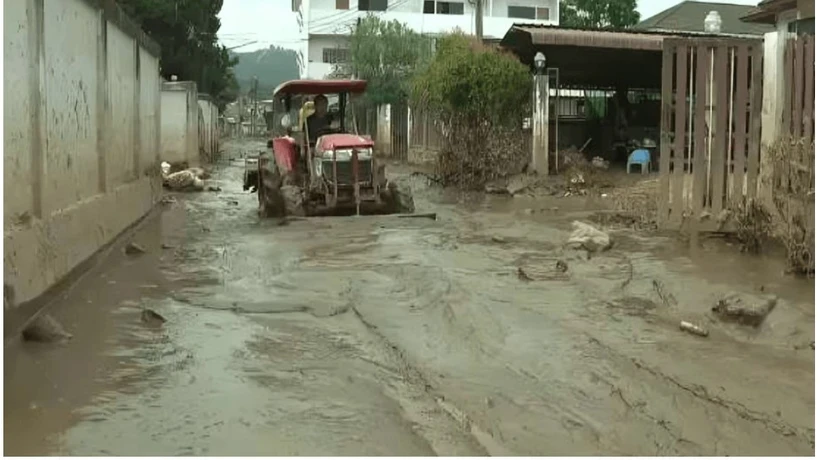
(81, 114)
(180, 123)
(208, 127)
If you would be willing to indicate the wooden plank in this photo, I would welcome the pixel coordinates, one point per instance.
(721, 109)
(741, 112)
(680, 133)
(789, 86)
(808, 98)
(797, 105)
(699, 119)
(666, 114)
(756, 97)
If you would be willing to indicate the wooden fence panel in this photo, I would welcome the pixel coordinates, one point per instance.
(755, 122)
(720, 109)
(710, 121)
(798, 112)
(681, 110)
(666, 130)
(741, 105)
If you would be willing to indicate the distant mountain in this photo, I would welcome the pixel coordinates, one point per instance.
(271, 66)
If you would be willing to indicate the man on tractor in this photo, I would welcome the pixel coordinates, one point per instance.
(320, 121)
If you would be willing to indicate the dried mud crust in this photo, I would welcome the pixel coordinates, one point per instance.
(278, 197)
(399, 198)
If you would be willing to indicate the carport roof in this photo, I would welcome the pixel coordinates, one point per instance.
(596, 58)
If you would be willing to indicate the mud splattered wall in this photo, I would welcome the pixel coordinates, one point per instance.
(82, 129)
(179, 139)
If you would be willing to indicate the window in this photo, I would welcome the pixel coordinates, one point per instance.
(528, 12)
(432, 6)
(802, 26)
(372, 5)
(335, 55)
(342, 4)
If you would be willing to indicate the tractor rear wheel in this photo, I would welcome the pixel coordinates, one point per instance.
(269, 192)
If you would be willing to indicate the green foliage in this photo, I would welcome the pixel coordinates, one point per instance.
(387, 54)
(272, 66)
(186, 32)
(479, 97)
(473, 81)
(599, 14)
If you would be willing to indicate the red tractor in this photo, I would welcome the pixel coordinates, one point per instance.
(329, 172)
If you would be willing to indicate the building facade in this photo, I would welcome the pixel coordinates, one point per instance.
(326, 24)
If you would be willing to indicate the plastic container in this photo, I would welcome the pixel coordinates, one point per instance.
(712, 23)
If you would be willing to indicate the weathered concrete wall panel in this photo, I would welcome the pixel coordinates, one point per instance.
(180, 122)
(71, 103)
(122, 75)
(174, 126)
(209, 129)
(17, 113)
(149, 107)
(82, 132)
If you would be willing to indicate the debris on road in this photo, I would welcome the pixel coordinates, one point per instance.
(749, 310)
(499, 239)
(184, 181)
(168, 200)
(134, 249)
(588, 237)
(152, 318)
(167, 246)
(523, 276)
(212, 188)
(693, 329)
(428, 215)
(45, 329)
(666, 297)
(561, 266)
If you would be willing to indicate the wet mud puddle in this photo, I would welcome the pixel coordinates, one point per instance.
(385, 336)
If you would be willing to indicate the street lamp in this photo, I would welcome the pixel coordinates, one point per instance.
(540, 62)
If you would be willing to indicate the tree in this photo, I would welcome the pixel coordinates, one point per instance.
(186, 32)
(479, 97)
(387, 54)
(599, 14)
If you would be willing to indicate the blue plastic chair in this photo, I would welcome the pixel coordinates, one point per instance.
(639, 157)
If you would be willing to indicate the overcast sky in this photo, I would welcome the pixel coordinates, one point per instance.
(270, 22)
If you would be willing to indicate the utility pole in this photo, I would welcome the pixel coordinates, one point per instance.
(254, 108)
(479, 19)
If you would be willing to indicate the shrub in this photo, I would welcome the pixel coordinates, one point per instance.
(479, 96)
(793, 195)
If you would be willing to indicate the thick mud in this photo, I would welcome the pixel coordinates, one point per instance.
(386, 336)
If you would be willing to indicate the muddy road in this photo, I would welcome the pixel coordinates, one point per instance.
(388, 336)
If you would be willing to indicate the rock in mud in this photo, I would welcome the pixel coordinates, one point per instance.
(45, 329)
(588, 237)
(499, 239)
(561, 266)
(749, 310)
(134, 249)
(152, 318)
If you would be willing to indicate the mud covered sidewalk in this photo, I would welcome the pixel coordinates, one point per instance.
(388, 336)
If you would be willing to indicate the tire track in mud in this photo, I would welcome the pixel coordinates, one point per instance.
(699, 392)
(483, 445)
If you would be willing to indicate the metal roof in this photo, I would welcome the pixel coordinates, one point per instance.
(688, 16)
(561, 36)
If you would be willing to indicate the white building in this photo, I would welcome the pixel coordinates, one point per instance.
(325, 24)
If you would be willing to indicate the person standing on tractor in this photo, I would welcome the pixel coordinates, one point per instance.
(320, 120)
